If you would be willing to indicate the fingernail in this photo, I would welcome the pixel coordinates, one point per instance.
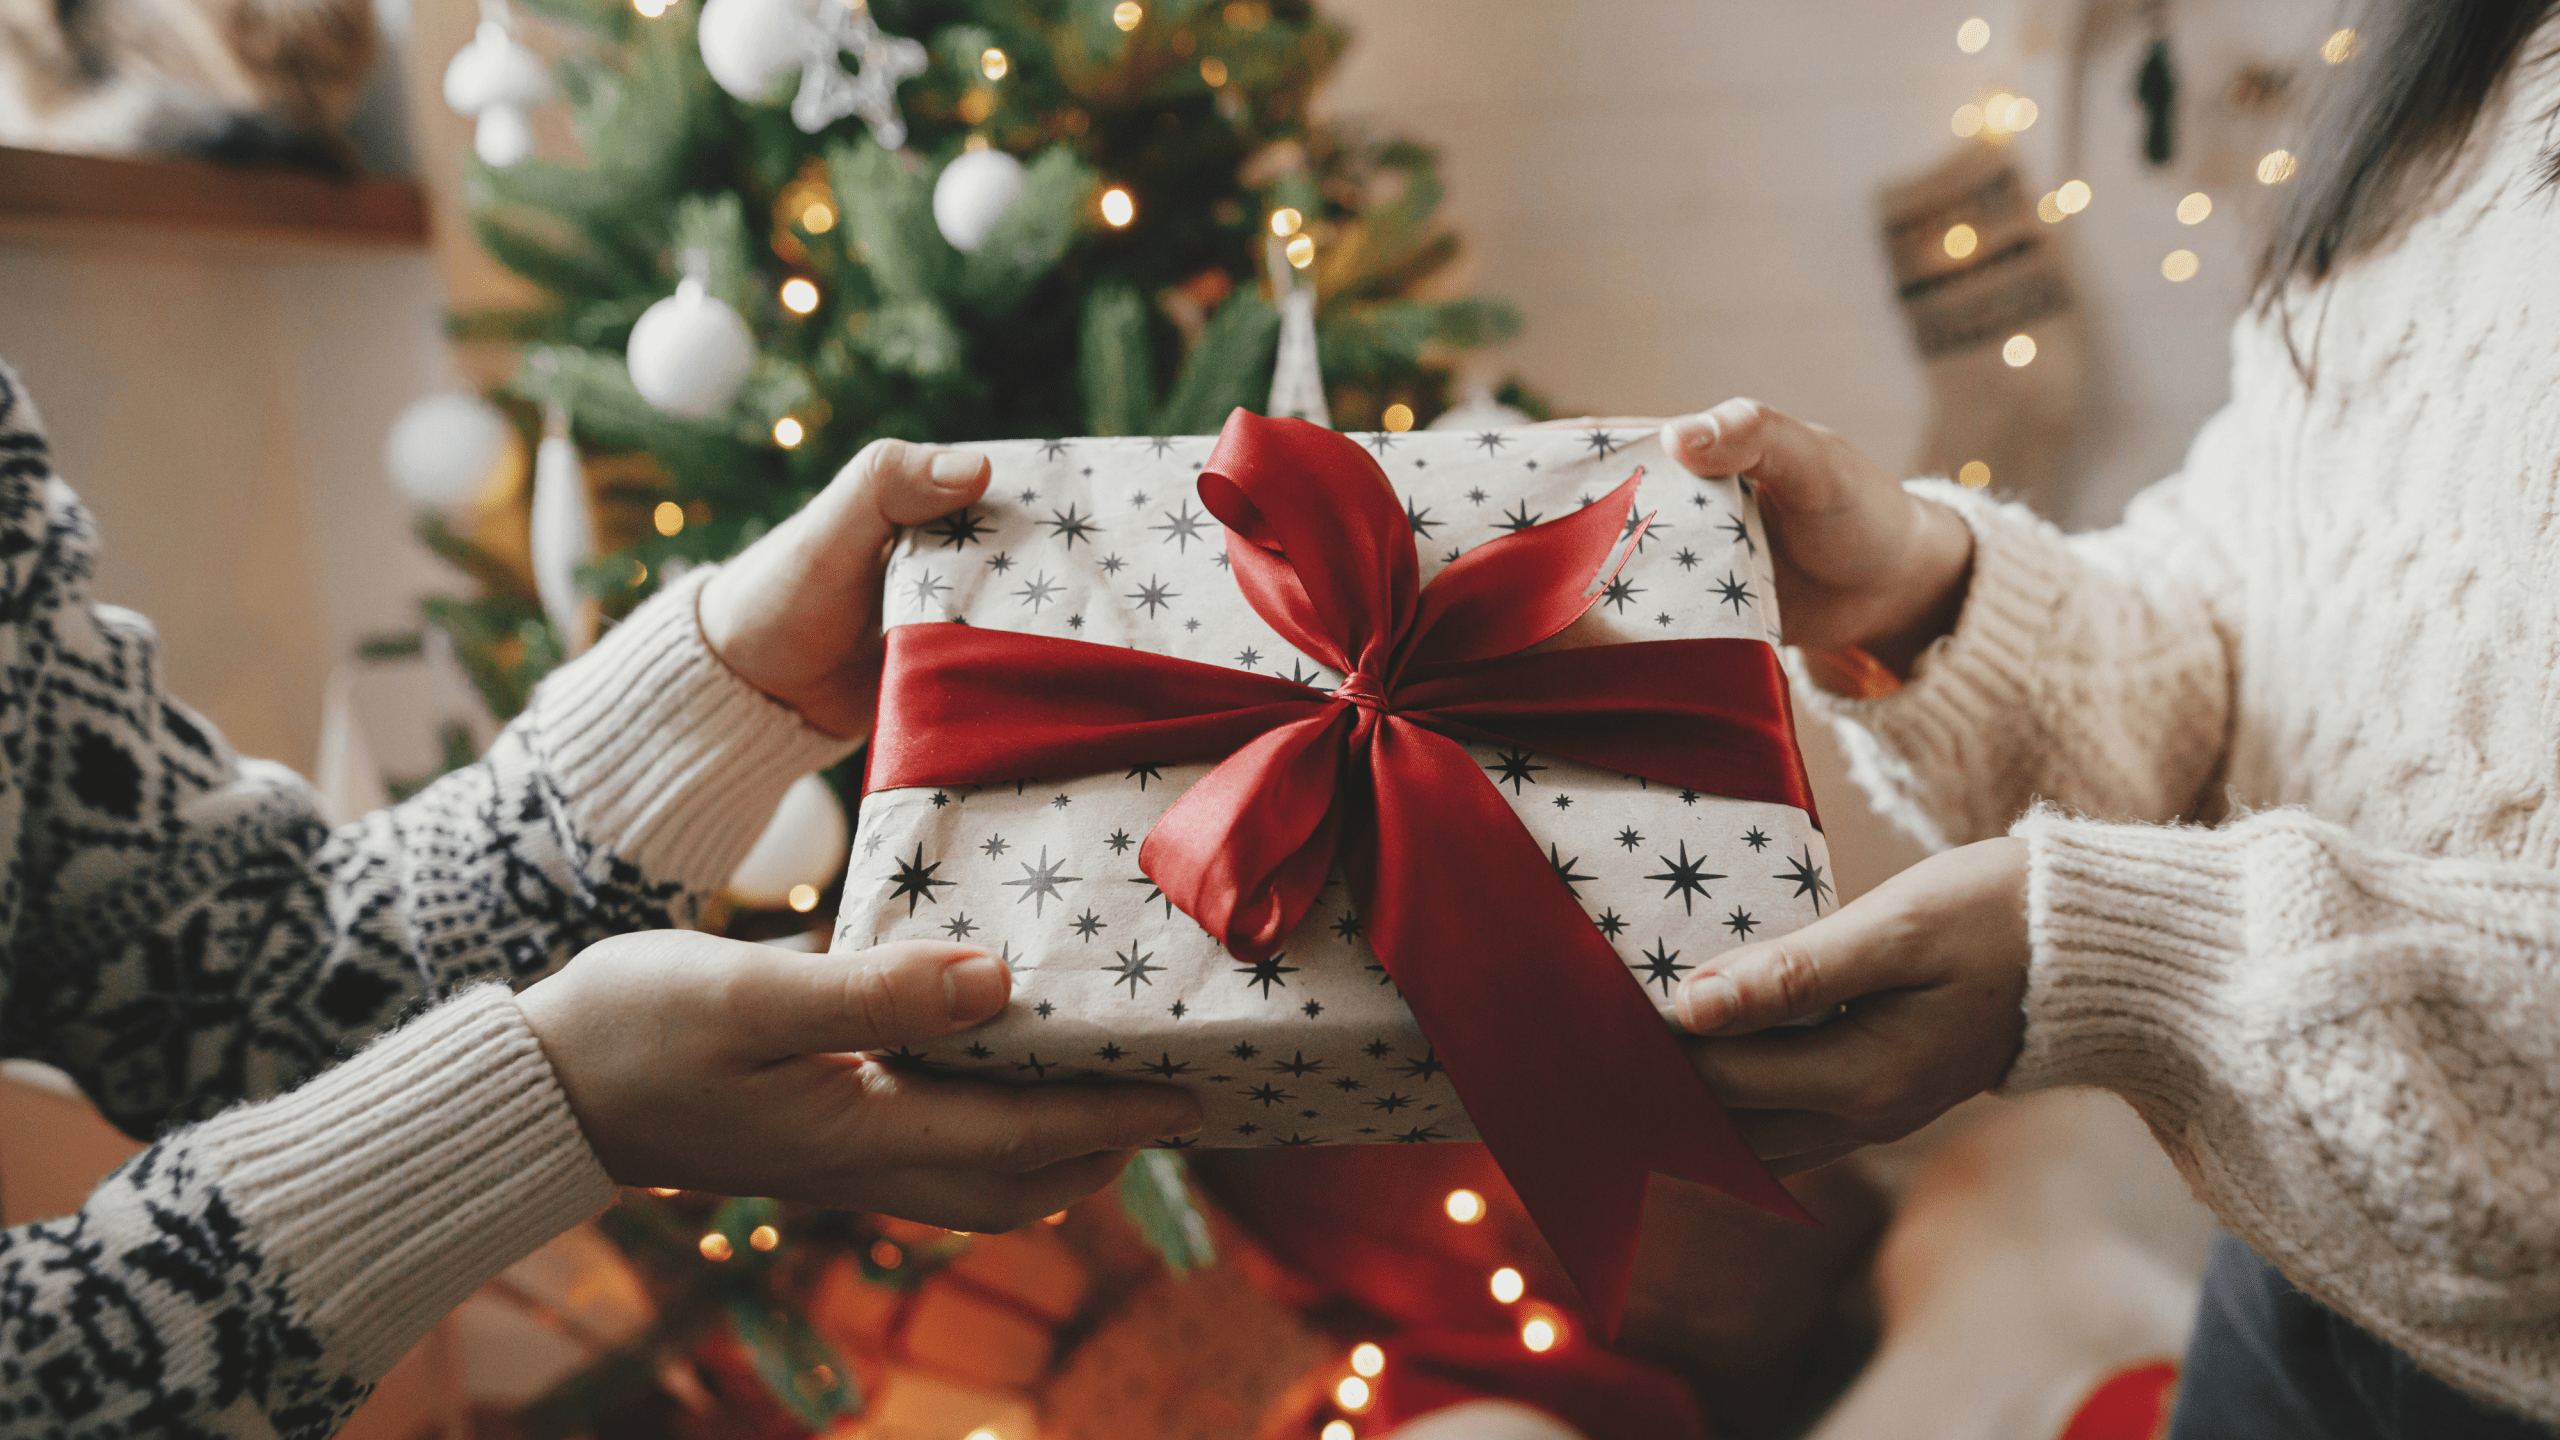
(1707, 1003)
(952, 469)
(1686, 431)
(975, 987)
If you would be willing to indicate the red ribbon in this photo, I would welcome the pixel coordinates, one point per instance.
(1572, 1079)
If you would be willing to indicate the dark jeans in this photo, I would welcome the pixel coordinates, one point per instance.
(2270, 1363)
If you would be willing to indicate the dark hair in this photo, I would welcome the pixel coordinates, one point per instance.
(2386, 135)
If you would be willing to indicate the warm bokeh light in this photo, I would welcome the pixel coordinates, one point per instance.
(1967, 122)
(1464, 1206)
(2275, 167)
(1058, 1219)
(1508, 1286)
(668, 517)
(715, 1246)
(763, 1237)
(1539, 1334)
(2072, 196)
(2338, 49)
(1960, 241)
(1286, 220)
(984, 1432)
(787, 433)
(2022, 112)
(1399, 417)
(1972, 35)
(1302, 251)
(652, 9)
(799, 296)
(1974, 475)
(1339, 1430)
(1352, 1394)
(1367, 1359)
(2194, 209)
(2179, 265)
(1213, 72)
(1118, 209)
(2049, 209)
(1127, 14)
(639, 574)
(993, 64)
(804, 898)
(2020, 350)
(886, 1255)
(662, 1194)
(817, 217)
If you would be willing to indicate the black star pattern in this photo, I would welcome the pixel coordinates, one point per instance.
(977, 1050)
(1389, 1102)
(995, 847)
(1661, 963)
(1112, 565)
(1452, 557)
(1629, 838)
(1807, 878)
(1688, 878)
(1426, 1068)
(1346, 1084)
(1267, 973)
(1160, 444)
(1044, 1009)
(1191, 624)
(1182, 527)
(1348, 926)
(1602, 443)
(1420, 520)
(871, 843)
(1663, 619)
(1742, 535)
(1038, 1067)
(1376, 1049)
(1040, 591)
(1477, 497)
(1052, 449)
(1491, 440)
(1119, 842)
(959, 927)
(1138, 500)
(1029, 495)
(1040, 885)
(1756, 838)
(1733, 592)
(1687, 559)
(1564, 869)
(1075, 622)
(1610, 923)
(1111, 1051)
(1060, 802)
(1517, 519)
(1297, 1139)
(1299, 1065)
(1517, 770)
(1740, 923)
(1219, 557)
(1167, 1068)
(1301, 672)
(960, 529)
(1312, 1009)
(1133, 969)
(1089, 924)
(1564, 802)
(1688, 797)
(1642, 528)
(940, 799)
(1151, 770)
(1248, 1128)
(1621, 593)
(1244, 1050)
(1421, 1135)
(927, 587)
(1268, 1095)
(915, 880)
(1381, 440)
(1067, 525)
(1249, 657)
(1153, 893)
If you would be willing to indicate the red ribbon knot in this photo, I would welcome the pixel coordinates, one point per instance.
(1573, 1080)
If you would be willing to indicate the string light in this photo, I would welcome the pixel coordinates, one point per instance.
(1960, 241)
(668, 517)
(799, 296)
(1398, 417)
(977, 105)
(1285, 221)
(993, 64)
(652, 9)
(639, 574)
(1974, 475)
(1213, 72)
(1967, 122)
(2338, 49)
(1118, 209)
(1508, 1286)
(2020, 350)
(2002, 115)
(788, 433)
(2193, 209)
(1464, 1206)
(763, 1237)
(1539, 1335)
(818, 217)
(1352, 1394)
(2275, 167)
(1972, 35)
(2049, 209)
(1127, 14)
(663, 1194)
(886, 1255)
(1339, 1430)
(804, 898)
(1367, 1359)
(2179, 266)
(715, 1247)
(2072, 197)
(1058, 1219)
(983, 1432)
(1302, 251)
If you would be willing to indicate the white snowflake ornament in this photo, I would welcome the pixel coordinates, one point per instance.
(749, 45)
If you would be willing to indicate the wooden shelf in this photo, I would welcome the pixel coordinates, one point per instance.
(40, 188)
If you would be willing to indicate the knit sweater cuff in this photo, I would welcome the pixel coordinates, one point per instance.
(2134, 932)
(1977, 685)
(666, 757)
(390, 1187)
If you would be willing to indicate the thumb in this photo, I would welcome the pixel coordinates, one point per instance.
(909, 484)
(1745, 437)
(1794, 977)
(877, 999)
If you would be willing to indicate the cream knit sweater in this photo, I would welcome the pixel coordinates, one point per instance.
(2331, 647)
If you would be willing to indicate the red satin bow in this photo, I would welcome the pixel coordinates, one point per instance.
(1572, 1079)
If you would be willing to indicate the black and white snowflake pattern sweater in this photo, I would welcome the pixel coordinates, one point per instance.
(181, 934)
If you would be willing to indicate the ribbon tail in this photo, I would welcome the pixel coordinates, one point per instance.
(1604, 1094)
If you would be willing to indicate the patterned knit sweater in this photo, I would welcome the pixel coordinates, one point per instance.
(179, 932)
(2334, 639)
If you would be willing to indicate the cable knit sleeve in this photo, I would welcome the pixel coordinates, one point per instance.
(2352, 1052)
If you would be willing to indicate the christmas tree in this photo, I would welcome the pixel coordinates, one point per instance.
(1113, 279)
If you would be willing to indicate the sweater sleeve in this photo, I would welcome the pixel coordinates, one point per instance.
(2352, 1052)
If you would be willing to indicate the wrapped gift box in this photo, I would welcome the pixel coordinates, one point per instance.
(1107, 541)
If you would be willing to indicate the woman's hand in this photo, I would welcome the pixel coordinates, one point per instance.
(1932, 969)
(1860, 561)
(798, 614)
(700, 1063)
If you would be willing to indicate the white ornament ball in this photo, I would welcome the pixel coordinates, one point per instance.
(503, 136)
(973, 194)
(442, 448)
(748, 45)
(805, 843)
(690, 353)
